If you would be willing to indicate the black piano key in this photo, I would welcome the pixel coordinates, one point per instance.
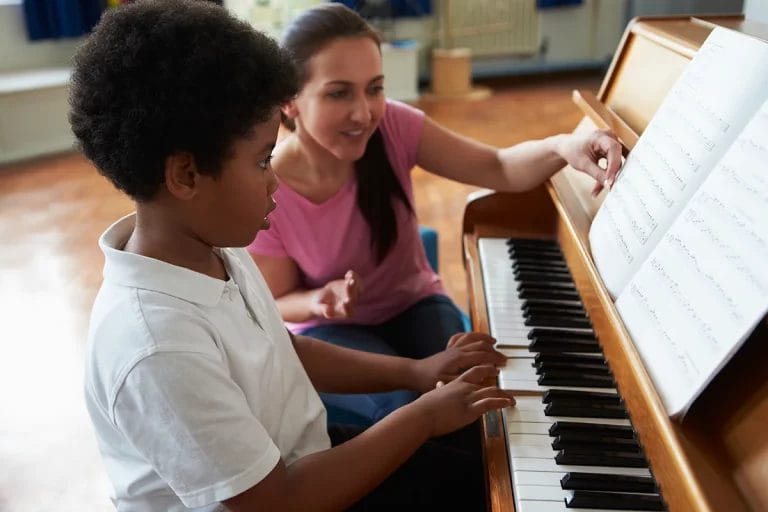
(586, 411)
(540, 293)
(543, 277)
(558, 321)
(533, 255)
(580, 396)
(555, 378)
(618, 459)
(537, 304)
(593, 368)
(606, 482)
(535, 249)
(552, 347)
(596, 359)
(544, 333)
(596, 443)
(565, 427)
(614, 501)
(561, 268)
(555, 270)
(533, 242)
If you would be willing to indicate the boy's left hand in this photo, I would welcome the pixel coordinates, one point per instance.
(464, 350)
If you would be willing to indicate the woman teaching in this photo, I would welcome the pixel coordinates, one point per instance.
(343, 256)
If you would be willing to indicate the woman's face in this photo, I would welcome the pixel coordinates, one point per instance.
(342, 102)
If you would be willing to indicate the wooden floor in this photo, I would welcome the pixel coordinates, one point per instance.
(52, 211)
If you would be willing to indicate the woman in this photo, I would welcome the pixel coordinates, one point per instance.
(356, 274)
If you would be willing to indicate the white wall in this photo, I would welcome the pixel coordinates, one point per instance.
(17, 53)
(756, 10)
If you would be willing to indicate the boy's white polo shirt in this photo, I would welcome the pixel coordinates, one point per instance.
(192, 383)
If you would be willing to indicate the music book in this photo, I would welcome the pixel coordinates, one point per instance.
(681, 241)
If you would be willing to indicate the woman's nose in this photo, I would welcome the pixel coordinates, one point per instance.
(361, 110)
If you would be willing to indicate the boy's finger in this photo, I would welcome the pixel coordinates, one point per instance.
(490, 404)
(467, 338)
(478, 374)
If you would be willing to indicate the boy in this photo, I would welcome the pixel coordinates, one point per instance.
(199, 396)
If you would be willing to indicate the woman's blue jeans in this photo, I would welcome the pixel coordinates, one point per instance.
(420, 331)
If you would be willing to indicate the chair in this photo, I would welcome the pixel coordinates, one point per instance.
(429, 240)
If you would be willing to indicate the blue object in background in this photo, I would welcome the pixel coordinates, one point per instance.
(54, 19)
(392, 8)
(545, 4)
(429, 240)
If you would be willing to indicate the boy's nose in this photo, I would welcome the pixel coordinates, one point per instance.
(272, 183)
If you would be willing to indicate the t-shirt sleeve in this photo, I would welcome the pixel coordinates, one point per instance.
(202, 439)
(268, 241)
(401, 128)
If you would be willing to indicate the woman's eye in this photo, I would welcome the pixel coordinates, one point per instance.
(376, 89)
(264, 164)
(337, 94)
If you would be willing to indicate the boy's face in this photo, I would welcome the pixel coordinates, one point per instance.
(343, 101)
(235, 205)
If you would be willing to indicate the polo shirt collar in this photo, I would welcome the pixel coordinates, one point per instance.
(133, 270)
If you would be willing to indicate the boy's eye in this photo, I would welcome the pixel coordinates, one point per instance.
(264, 164)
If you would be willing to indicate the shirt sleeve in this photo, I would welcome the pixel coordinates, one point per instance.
(193, 425)
(402, 127)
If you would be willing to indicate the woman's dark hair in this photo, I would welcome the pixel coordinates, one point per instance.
(377, 185)
(157, 77)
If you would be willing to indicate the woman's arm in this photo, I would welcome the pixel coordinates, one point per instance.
(334, 300)
(520, 167)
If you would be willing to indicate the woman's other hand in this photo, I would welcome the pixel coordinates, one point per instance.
(337, 299)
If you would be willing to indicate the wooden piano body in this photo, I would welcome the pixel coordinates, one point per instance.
(717, 458)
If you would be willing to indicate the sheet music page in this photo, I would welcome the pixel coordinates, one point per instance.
(714, 98)
(705, 286)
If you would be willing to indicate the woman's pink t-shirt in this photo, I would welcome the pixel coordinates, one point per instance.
(325, 240)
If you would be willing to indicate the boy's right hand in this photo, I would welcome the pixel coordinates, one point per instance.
(337, 299)
(460, 402)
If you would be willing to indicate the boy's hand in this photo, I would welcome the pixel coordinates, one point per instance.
(464, 350)
(337, 299)
(460, 402)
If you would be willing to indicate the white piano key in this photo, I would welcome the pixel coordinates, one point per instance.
(537, 477)
(540, 493)
(511, 352)
(530, 440)
(527, 403)
(528, 428)
(549, 465)
(518, 369)
(530, 452)
(552, 506)
(534, 387)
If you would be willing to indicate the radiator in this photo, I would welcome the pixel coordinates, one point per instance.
(490, 27)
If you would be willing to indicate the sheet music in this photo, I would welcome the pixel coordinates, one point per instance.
(705, 286)
(699, 119)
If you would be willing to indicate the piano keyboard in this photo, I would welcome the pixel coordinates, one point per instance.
(570, 442)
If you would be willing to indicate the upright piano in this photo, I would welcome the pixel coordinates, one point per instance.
(551, 450)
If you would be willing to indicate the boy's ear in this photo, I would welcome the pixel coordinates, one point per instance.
(181, 175)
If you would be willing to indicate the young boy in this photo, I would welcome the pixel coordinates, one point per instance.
(199, 396)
